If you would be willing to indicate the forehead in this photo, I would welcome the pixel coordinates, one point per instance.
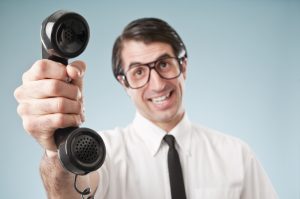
(140, 52)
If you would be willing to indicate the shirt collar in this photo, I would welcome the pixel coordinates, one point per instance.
(152, 135)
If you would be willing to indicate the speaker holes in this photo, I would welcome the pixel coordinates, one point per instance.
(86, 149)
(67, 34)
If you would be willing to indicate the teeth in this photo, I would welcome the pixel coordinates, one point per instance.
(161, 99)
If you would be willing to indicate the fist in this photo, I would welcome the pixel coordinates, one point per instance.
(49, 98)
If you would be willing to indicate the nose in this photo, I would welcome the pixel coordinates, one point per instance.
(156, 83)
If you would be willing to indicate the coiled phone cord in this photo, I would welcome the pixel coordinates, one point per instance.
(83, 193)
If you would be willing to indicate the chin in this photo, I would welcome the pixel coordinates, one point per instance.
(166, 116)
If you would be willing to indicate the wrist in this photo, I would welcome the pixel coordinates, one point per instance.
(50, 153)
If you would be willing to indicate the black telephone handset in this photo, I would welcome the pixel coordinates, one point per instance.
(65, 35)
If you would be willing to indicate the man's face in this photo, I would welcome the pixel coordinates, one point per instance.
(160, 100)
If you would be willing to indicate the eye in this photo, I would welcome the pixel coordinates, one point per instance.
(163, 64)
(137, 72)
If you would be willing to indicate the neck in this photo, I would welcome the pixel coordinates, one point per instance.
(170, 124)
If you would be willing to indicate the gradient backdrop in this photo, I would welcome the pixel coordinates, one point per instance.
(243, 77)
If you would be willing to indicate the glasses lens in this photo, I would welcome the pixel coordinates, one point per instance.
(137, 76)
(168, 68)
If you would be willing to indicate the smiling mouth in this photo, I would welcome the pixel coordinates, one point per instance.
(161, 99)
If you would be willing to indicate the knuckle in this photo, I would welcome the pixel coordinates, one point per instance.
(81, 65)
(17, 93)
(29, 125)
(76, 107)
(36, 71)
(64, 120)
(59, 120)
(40, 66)
(76, 120)
(80, 107)
(21, 109)
(53, 87)
(60, 105)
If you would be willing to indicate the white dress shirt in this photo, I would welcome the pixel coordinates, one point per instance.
(215, 165)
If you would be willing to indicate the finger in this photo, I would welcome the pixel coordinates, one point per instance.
(46, 69)
(42, 127)
(48, 88)
(76, 71)
(50, 106)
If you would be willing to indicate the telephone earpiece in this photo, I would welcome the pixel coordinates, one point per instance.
(65, 35)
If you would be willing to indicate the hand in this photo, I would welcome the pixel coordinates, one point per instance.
(48, 101)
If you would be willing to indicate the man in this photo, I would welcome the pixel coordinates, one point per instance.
(150, 61)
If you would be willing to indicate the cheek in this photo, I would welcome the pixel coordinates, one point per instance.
(180, 84)
(136, 96)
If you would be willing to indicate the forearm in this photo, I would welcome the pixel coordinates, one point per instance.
(59, 183)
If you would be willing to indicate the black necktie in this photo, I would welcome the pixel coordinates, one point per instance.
(175, 172)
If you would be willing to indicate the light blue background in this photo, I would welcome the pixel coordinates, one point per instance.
(243, 77)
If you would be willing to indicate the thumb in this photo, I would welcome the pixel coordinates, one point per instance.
(75, 71)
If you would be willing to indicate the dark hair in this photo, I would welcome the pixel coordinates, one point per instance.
(147, 30)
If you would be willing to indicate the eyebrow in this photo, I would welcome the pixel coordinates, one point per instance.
(165, 55)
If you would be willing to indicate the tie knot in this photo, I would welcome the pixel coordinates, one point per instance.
(170, 140)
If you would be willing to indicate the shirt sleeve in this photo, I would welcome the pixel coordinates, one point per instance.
(256, 182)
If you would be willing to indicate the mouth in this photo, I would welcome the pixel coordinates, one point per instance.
(161, 99)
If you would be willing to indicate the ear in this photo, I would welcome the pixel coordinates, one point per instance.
(184, 67)
(122, 81)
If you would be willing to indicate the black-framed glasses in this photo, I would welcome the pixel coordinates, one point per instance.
(138, 75)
